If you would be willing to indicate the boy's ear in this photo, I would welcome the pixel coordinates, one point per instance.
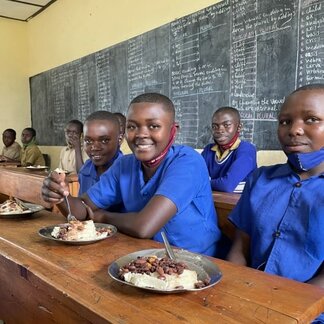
(239, 127)
(120, 139)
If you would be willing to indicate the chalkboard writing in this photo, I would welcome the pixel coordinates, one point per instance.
(245, 53)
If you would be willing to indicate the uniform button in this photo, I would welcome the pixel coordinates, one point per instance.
(276, 234)
(298, 184)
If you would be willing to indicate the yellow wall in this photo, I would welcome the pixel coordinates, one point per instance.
(14, 83)
(70, 29)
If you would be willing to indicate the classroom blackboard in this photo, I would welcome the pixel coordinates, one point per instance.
(248, 54)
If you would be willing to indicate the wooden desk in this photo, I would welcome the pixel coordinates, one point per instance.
(9, 164)
(224, 203)
(26, 185)
(46, 282)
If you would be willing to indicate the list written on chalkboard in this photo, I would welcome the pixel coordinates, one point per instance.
(248, 54)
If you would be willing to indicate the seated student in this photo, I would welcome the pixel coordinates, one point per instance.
(162, 186)
(73, 156)
(122, 122)
(279, 218)
(229, 160)
(11, 151)
(30, 153)
(101, 142)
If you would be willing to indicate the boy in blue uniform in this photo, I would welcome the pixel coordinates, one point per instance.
(229, 160)
(102, 139)
(280, 216)
(162, 186)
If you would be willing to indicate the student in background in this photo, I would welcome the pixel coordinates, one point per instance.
(73, 156)
(122, 122)
(101, 142)
(280, 216)
(162, 186)
(11, 150)
(229, 160)
(30, 153)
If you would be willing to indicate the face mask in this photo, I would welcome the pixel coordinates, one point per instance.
(306, 161)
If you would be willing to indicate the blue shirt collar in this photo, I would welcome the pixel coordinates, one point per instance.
(285, 170)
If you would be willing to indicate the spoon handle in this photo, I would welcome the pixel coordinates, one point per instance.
(168, 247)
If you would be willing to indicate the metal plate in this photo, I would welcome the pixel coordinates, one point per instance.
(45, 232)
(37, 168)
(204, 265)
(32, 208)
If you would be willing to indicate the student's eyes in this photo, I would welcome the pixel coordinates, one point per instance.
(154, 126)
(312, 120)
(227, 125)
(105, 141)
(88, 141)
(284, 122)
(130, 127)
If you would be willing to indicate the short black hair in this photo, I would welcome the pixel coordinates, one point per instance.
(103, 115)
(228, 109)
(11, 131)
(314, 86)
(122, 120)
(77, 123)
(154, 97)
(31, 130)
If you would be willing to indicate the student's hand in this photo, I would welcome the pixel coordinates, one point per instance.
(75, 141)
(54, 188)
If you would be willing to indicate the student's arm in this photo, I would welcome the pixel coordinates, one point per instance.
(239, 252)
(244, 163)
(143, 224)
(318, 280)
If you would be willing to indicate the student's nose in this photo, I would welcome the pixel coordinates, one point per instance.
(296, 129)
(142, 132)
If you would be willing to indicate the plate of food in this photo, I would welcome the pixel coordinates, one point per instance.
(13, 207)
(152, 270)
(77, 232)
(36, 167)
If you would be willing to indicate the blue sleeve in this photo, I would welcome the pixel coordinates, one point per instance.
(243, 164)
(186, 176)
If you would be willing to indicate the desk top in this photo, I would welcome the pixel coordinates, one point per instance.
(76, 277)
(226, 198)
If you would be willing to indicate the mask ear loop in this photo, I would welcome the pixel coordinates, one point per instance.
(154, 162)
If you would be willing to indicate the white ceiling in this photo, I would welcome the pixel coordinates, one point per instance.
(23, 10)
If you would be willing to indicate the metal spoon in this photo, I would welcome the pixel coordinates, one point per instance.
(168, 247)
(69, 217)
(201, 272)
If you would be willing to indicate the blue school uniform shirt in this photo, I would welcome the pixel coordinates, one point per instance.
(88, 176)
(182, 177)
(234, 168)
(284, 217)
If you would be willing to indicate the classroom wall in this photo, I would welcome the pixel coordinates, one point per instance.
(14, 83)
(68, 30)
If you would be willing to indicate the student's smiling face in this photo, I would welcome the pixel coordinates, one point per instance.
(148, 129)
(301, 122)
(101, 140)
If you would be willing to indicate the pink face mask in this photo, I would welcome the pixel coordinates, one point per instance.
(155, 161)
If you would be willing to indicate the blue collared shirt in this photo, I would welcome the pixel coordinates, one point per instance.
(183, 178)
(88, 175)
(283, 216)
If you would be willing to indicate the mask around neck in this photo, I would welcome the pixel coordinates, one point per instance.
(302, 162)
